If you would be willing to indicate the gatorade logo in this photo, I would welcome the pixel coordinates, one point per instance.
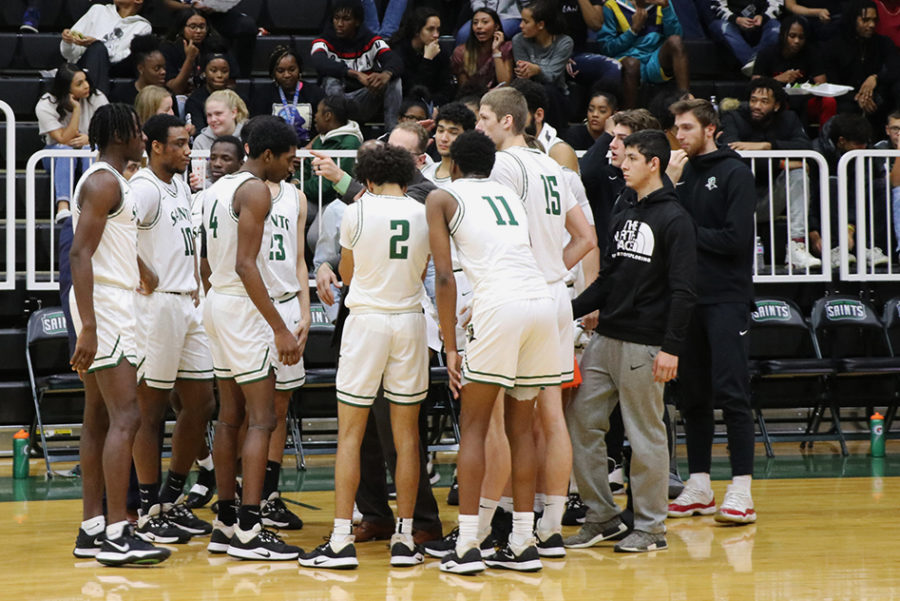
(771, 311)
(845, 310)
(54, 323)
(878, 430)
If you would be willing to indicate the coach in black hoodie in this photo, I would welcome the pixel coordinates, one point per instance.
(645, 296)
(717, 189)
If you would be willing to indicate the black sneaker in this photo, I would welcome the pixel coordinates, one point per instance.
(220, 539)
(404, 552)
(87, 545)
(129, 549)
(182, 517)
(259, 543)
(154, 527)
(203, 490)
(275, 514)
(527, 560)
(576, 510)
(443, 547)
(552, 547)
(501, 526)
(453, 495)
(324, 556)
(470, 563)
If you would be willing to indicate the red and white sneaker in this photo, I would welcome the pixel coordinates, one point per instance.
(737, 508)
(692, 501)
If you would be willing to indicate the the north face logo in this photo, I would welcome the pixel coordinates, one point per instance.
(771, 311)
(635, 240)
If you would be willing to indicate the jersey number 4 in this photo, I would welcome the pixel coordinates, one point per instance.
(399, 250)
(551, 196)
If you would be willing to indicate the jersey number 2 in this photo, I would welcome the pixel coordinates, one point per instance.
(398, 249)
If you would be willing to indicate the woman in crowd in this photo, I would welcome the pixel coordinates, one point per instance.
(485, 59)
(64, 114)
(150, 65)
(225, 115)
(153, 100)
(601, 106)
(287, 96)
(216, 76)
(423, 62)
(508, 17)
(188, 42)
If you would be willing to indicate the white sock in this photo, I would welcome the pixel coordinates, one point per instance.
(468, 534)
(551, 521)
(206, 463)
(94, 525)
(700, 481)
(341, 532)
(522, 529)
(506, 504)
(573, 485)
(742, 483)
(114, 531)
(538, 502)
(486, 509)
(404, 526)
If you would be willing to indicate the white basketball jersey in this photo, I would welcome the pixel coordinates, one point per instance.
(490, 231)
(430, 172)
(282, 276)
(389, 239)
(540, 183)
(165, 231)
(221, 226)
(115, 259)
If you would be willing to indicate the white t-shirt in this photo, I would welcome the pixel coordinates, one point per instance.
(49, 120)
(102, 21)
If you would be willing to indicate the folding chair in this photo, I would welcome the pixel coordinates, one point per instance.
(47, 358)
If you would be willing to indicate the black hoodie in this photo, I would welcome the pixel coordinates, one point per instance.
(719, 192)
(367, 52)
(645, 289)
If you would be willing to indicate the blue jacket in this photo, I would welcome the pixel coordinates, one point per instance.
(617, 40)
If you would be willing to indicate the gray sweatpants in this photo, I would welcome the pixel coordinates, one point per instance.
(615, 371)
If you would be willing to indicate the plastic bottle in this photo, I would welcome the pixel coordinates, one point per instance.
(760, 256)
(20, 454)
(715, 102)
(876, 427)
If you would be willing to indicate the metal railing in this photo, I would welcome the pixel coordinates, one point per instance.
(869, 220)
(9, 273)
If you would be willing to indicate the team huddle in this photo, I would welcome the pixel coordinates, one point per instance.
(222, 291)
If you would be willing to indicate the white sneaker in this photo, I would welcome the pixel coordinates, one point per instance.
(617, 481)
(693, 501)
(875, 257)
(836, 258)
(799, 256)
(737, 508)
(357, 515)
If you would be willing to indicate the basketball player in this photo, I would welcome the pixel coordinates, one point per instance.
(240, 320)
(384, 240)
(540, 183)
(452, 119)
(512, 342)
(104, 261)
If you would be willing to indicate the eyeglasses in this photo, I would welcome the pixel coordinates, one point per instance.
(894, 129)
(196, 26)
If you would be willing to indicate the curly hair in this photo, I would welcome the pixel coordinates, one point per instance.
(385, 164)
(116, 122)
(474, 153)
(456, 112)
(271, 133)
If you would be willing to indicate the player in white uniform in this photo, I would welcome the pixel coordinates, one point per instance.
(511, 344)
(240, 318)
(105, 273)
(384, 240)
(172, 348)
(288, 282)
(540, 183)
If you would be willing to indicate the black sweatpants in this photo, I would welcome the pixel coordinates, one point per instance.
(713, 374)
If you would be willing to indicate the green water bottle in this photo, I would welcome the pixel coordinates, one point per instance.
(20, 454)
(876, 427)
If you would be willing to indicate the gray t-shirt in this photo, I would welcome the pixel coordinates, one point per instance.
(552, 59)
(49, 120)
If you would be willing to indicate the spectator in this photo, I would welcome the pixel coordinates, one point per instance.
(225, 115)
(543, 132)
(216, 75)
(767, 124)
(793, 61)
(424, 64)
(485, 59)
(541, 52)
(287, 96)
(746, 26)
(862, 59)
(232, 24)
(150, 65)
(190, 39)
(893, 143)
(393, 15)
(649, 48)
(824, 17)
(100, 41)
(889, 20)
(660, 107)
(588, 65)
(356, 63)
(64, 114)
(601, 106)
(153, 100)
(508, 17)
(452, 119)
(336, 132)
(32, 16)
